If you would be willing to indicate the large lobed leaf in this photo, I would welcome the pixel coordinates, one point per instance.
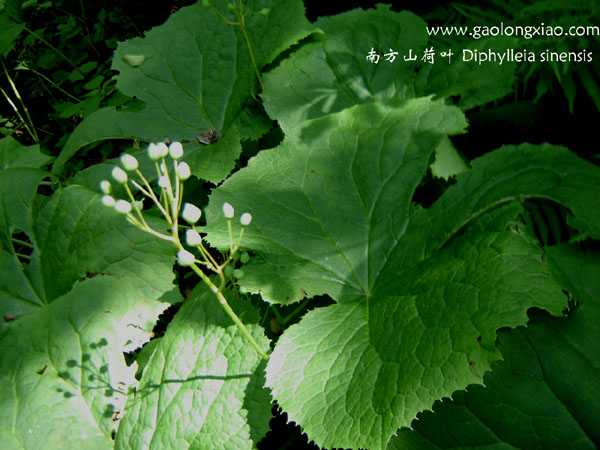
(433, 336)
(201, 387)
(332, 74)
(87, 296)
(62, 372)
(325, 209)
(327, 76)
(196, 73)
(546, 391)
(421, 293)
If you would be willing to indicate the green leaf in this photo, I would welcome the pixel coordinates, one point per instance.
(62, 372)
(473, 84)
(577, 269)
(368, 160)
(197, 389)
(326, 77)
(436, 335)
(253, 122)
(11, 25)
(17, 296)
(448, 161)
(509, 173)
(544, 394)
(78, 237)
(18, 187)
(13, 154)
(214, 162)
(337, 219)
(19, 178)
(85, 298)
(197, 74)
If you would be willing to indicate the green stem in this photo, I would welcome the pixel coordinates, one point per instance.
(242, 25)
(18, 113)
(209, 259)
(241, 22)
(150, 194)
(131, 219)
(23, 105)
(229, 311)
(234, 247)
(230, 231)
(222, 301)
(23, 243)
(285, 320)
(134, 205)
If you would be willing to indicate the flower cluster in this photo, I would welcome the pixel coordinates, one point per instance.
(171, 172)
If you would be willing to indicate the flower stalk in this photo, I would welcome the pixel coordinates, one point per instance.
(169, 202)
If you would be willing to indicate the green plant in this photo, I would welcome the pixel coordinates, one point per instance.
(468, 313)
(543, 76)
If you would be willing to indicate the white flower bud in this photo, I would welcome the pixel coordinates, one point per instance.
(163, 182)
(246, 218)
(228, 210)
(163, 150)
(191, 213)
(105, 187)
(193, 238)
(129, 162)
(176, 150)
(139, 204)
(123, 207)
(107, 200)
(185, 258)
(153, 151)
(119, 175)
(183, 171)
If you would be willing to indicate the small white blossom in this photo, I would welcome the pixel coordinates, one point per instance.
(185, 258)
(191, 213)
(183, 171)
(119, 175)
(163, 150)
(228, 210)
(163, 182)
(153, 151)
(129, 162)
(176, 150)
(193, 238)
(123, 206)
(107, 200)
(246, 218)
(105, 187)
